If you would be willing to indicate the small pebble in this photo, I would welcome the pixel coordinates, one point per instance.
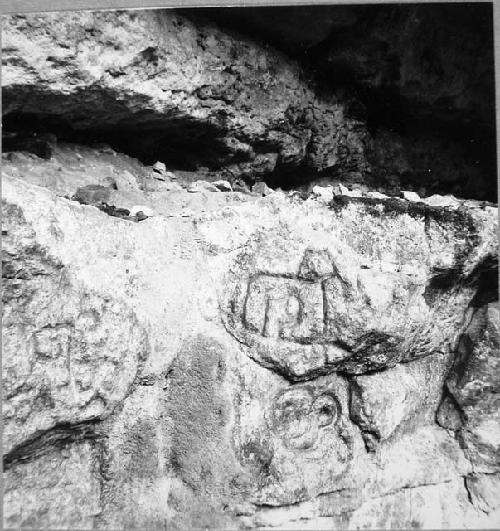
(411, 196)
(141, 209)
(159, 167)
(202, 186)
(223, 186)
(437, 200)
(376, 195)
(340, 189)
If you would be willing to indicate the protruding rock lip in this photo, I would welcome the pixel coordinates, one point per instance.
(458, 213)
(60, 435)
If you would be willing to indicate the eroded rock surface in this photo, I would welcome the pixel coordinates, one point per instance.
(185, 351)
(173, 86)
(412, 391)
(297, 442)
(161, 380)
(62, 487)
(426, 98)
(470, 406)
(321, 290)
(70, 355)
(181, 84)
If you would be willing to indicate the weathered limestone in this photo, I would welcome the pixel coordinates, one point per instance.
(175, 87)
(60, 487)
(71, 355)
(412, 392)
(352, 290)
(471, 402)
(186, 354)
(158, 83)
(183, 350)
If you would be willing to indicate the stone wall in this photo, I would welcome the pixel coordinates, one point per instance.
(183, 352)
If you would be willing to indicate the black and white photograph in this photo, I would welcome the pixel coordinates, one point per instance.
(250, 266)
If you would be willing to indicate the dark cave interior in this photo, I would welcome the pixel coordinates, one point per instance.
(423, 72)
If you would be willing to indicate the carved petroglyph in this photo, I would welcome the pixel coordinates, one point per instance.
(298, 416)
(303, 312)
(284, 318)
(316, 264)
(290, 307)
(298, 440)
(284, 308)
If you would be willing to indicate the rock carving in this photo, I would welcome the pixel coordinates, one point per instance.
(299, 416)
(286, 318)
(298, 440)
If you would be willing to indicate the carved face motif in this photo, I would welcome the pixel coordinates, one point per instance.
(296, 441)
(298, 416)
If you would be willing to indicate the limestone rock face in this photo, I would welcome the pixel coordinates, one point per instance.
(412, 392)
(192, 89)
(167, 87)
(297, 442)
(392, 47)
(70, 355)
(426, 98)
(213, 367)
(473, 389)
(188, 346)
(343, 290)
(60, 487)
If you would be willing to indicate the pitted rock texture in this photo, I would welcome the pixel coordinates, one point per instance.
(182, 353)
(190, 431)
(471, 404)
(70, 355)
(355, 287)
(427, 100)
(299, 444)
(163, 86)
(387, 46)
(60, 487)
(412, 392)
(173, 86)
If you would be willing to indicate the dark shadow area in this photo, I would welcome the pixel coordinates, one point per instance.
(181, 143)
(487, 280)
(422, 71)
(95, 115)
(418, 77)
(44, 442)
